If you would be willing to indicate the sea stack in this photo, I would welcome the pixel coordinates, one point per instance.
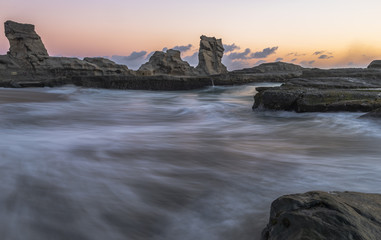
(24, 42)
(210, 56)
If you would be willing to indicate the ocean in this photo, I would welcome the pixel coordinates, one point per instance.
(200, 164)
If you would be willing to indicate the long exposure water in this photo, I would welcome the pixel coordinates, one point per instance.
(111, 164)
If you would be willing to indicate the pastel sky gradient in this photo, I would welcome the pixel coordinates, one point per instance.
(325, 33)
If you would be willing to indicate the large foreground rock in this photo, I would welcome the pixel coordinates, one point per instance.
(325, 216)
(322, 95)
(210, 56)
(167, 63)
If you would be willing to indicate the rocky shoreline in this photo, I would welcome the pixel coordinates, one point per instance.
(313, 215)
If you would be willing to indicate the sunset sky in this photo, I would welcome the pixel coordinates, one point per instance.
(325, 33)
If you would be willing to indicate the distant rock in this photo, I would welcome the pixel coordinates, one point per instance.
(375, 114)
(210, 56)
(325, 216)
(109, 67)
(167, 63)
(275, 67)
(375, 64)
(24, 42)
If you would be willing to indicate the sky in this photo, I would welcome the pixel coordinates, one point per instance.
(325, 33)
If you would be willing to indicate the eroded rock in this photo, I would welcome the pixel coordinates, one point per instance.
(25, 43)
(167, 63)
(325, 216)
(210, 56)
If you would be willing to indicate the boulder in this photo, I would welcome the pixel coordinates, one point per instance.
(375, 64)
(210, 56)
(325, 216)
(167, 63)
(25, 44)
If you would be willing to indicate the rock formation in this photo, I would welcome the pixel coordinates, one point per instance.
(28, 60)
(275, 67)
(210, 56)
(169, 63)
(322, 215)
(375, 64)
(24, 42)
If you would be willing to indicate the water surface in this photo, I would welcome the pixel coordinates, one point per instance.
(110, 164)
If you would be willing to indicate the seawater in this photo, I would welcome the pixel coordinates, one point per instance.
(111, 164)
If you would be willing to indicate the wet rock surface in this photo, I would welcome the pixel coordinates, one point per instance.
(322, 215)
(322, 94)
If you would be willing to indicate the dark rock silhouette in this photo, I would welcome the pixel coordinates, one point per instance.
(375, 64)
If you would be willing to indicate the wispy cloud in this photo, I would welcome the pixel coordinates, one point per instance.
(133, 61)
(192, 59)
(308, 63)
(296, 54)
(183, 48)
(264, 53)
(278, 59)
(324, 56)
(259, 62)
(239, 55)
(231, 47)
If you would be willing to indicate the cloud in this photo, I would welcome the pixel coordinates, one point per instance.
(260, 62)
(319, 52)
(296, 54)
(264, 53)
(193, 59)
(293, 60)
(307, 62)
(231, 47)
(133, 61)
(239, 55)
(180, 48)
(149, 55)
(324, 56)
(278, 59)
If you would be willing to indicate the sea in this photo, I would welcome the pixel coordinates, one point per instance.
(169, 165)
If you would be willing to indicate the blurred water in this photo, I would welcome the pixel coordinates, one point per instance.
(108, 164)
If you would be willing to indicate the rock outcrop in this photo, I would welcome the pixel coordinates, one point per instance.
(24, 42)
(275, 67)
(28, 61)
(210, 56)
(169, 63)
(325, 216)
(375, 64)
(321, 95)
